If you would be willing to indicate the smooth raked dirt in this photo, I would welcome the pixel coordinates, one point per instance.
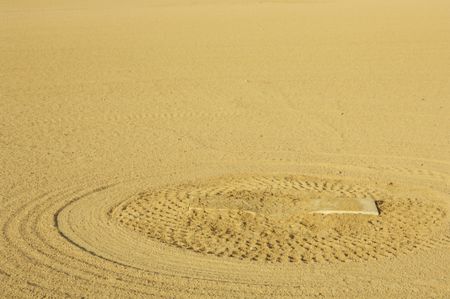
(183, 149)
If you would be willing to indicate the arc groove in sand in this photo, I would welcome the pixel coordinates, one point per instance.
(69, 273)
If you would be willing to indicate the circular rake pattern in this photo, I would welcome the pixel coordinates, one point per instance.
(266, 219)
(228, 237)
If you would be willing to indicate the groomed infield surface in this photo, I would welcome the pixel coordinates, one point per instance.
(230, 149)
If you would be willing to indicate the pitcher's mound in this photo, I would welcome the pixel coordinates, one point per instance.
(286, 218)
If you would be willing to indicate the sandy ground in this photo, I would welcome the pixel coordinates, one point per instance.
(171, 148)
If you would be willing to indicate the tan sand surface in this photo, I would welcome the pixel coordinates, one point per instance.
(175, 148)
